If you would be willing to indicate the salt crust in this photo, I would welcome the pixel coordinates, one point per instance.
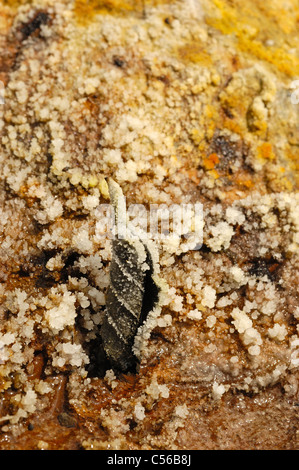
(139, 412)
(156, 390)
(55, 313)
(182, 411)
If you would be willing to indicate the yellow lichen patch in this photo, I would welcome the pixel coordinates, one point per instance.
(293, 157)
(5, 24)
(194, 53)
(247, 183)
(15, 3)
(293, 164)
(279, 182)
(233, 126)
(286, 184)
(85, 10)
(286, 63)
(265, 152)
(197, 135)
(210, 162)
(215, 174)
(255, 27)
(281, 13)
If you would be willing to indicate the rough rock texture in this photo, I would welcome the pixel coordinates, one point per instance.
(180, 102)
